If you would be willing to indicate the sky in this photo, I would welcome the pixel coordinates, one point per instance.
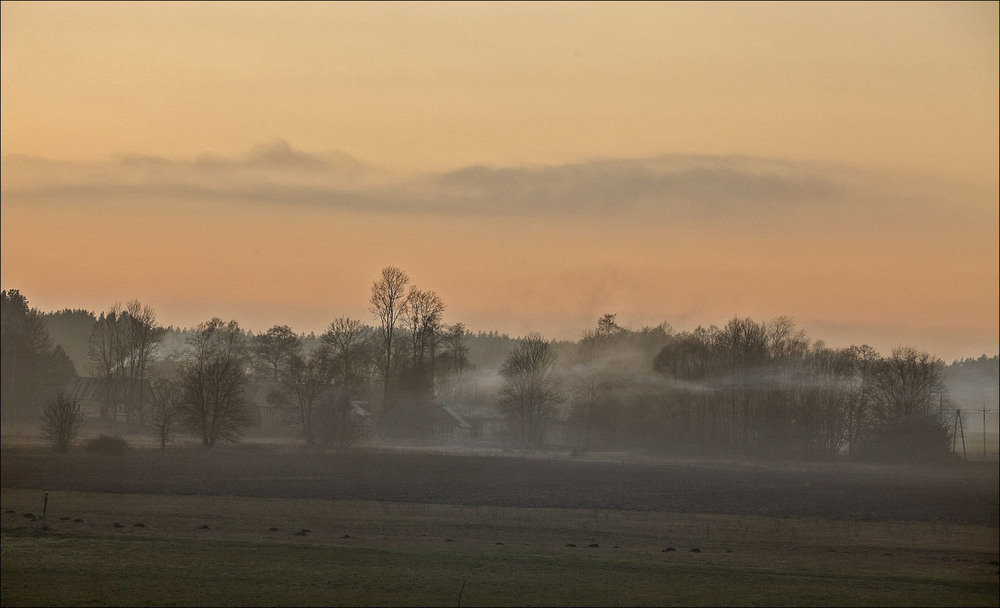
(537, 164)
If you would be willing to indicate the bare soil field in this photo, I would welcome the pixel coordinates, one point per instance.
(277, 526)
(964, 493)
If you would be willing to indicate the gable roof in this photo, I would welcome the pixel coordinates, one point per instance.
(87, 389)
(459, 420)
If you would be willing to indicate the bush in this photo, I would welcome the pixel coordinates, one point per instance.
(62, 421)
(109, 446)
(923, 439)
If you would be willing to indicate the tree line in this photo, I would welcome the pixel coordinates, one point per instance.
(748, 388)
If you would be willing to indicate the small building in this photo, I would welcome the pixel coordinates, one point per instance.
(265, 401)
(95, 398)
(423, 420)
(274, 414)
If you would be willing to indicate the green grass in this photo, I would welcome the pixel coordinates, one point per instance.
(59, 569)
(381, 554)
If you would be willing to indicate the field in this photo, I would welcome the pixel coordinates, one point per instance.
(254, 525)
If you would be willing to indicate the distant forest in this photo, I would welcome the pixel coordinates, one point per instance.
(748, 388)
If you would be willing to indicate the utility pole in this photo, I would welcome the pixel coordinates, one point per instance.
(959, 429)
(985, 410)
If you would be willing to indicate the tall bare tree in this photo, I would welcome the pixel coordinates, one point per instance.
(388, 305)
(455, 358)
(349, 344)
(142, 336)
(595, 380)
(531, 394)
(122, 346)
(304, 382)
(106, 348)
(424, 310)
(742, 346)
(213, 376)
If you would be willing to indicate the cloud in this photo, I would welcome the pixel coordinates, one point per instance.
(669, 183)
(275, 173)
(274, 156)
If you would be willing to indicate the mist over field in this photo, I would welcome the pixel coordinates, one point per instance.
(759, 389)
(603, 303)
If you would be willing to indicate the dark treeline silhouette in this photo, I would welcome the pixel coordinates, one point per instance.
(33, 367)
(748, 388)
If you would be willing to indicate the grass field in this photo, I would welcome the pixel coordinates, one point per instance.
(224, 549)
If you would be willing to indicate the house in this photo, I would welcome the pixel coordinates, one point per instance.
(266, 404)
(362, 416)
(424, 420)
(272, 411)
(95, 399)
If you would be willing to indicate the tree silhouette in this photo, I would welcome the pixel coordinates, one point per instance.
(212, 379)
(62, 421)
(531, 394)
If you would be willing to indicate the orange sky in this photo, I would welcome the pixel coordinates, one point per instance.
(536, 164)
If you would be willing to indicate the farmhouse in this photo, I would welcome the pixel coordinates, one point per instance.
(271, 410)
(101, 398)
(266, 406)
(423, 420)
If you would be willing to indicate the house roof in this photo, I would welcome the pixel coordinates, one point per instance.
(419, 413)
(358, 407)
(462, 422)
(87, 389)
(268, 395)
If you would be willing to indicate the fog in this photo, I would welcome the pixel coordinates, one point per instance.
(747, 389)
(435, 294)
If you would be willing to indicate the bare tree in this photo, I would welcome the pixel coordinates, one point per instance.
(164, 414)
(864, 362)
(824, 401)
(273, 351)
(142, 336)
(337, 424)
(349, 345)
(62, 421)
(456, 358)
(742, 347)
(388, 304)
(908, 392)
(122, 346)
(304, 383)
(908, 384)
(213, 377)
(531, 394)
(106, 348)
(595, 380)
(424, 310)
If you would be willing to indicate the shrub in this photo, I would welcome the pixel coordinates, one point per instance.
(109, 446)
(920, 439)
(62, 421)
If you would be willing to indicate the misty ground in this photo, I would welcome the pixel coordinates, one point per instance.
(961, 492)
(429, 526)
